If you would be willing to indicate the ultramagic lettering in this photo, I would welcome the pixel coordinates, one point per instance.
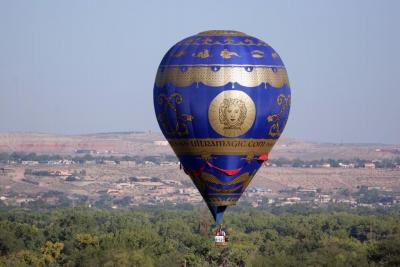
(220, 143)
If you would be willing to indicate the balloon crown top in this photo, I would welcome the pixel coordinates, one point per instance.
(222, 33)
(216, 48)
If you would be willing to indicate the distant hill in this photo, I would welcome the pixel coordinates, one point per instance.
(149, 143)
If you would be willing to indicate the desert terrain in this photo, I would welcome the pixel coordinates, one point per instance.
(152, 181)
(146, 143)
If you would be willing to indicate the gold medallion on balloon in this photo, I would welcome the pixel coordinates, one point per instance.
(231, 113)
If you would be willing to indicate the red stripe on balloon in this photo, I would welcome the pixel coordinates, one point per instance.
(198, 172)
(227, 172)
(263, 157)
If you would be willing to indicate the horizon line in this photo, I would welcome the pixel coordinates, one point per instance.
(159, 132)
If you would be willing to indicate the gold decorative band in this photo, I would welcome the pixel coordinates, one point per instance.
(248, 76)
(208, 177)
(221, 146)
(207, 40)
(222, 202)
(226, 190)
(222, 33)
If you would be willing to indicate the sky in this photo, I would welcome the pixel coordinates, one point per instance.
(74, 67)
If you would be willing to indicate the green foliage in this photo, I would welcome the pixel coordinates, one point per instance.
(155, 237)
(51, 251)
(386, 252)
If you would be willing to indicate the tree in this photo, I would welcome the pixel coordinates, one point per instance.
(386, 252)
(52, 251)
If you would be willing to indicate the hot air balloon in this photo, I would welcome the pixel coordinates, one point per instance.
(222, 99)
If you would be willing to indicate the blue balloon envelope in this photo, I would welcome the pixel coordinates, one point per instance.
(222, 99)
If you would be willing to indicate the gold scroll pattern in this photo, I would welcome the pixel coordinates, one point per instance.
(257, 54)
(276, 129)
(205, 147)
(179, 54)
(202, 54)
(206, 178)
(248, 76)
(170, 102)
(226, 54)
(245, 179)
(206, 40)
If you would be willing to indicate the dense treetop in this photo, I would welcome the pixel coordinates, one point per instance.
(156, 237)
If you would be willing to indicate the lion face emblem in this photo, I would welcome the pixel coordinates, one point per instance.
(232, 113)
